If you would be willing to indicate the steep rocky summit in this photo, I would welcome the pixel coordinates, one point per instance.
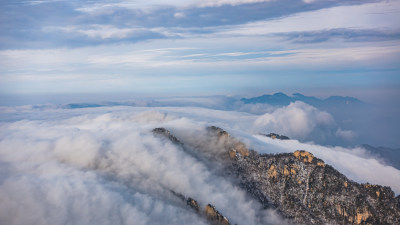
(299, 185)
(307, 190)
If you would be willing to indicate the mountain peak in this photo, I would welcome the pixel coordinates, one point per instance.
(280, 94)
(298, 95)
(299, 185)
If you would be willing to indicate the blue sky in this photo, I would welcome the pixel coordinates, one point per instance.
(195, 47)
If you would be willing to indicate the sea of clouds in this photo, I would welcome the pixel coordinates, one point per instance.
(103, 165)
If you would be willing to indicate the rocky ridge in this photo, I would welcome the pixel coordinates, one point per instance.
(276, 136)
(300, 186)
(210, 213)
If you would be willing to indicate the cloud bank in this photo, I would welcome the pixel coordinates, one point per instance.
(103, 165)
(108, 168)
(298, 120)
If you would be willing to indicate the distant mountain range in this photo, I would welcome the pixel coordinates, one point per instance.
(349, 113)
(230, 103)
(281, 99)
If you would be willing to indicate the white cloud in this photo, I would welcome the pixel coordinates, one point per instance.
(118, 64)
(127, 64)
(104, 31)
(179, 15)
(85, 168)
(117, 67)
(100, 31)
(104, 166)
(346, 134)
(106, 8)
(99, 8)
(381, 15)
(309, 1)
(213, 3)
(297, 120)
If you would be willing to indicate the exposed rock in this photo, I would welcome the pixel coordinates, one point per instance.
(215, 217)
(193, 204)
(167, 134)
(210, 212)
(305, 189)
(276, 136)
(304, 156)
(233, 145)
(300, 186)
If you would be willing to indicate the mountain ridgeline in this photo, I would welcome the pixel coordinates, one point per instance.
(301, 187)
(226, 102)
(281, 99)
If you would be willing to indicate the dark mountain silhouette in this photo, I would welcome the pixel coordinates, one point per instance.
(281, 99)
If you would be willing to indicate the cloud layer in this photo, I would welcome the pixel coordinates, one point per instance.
(109, 168)
(103, 165)
(297, 120)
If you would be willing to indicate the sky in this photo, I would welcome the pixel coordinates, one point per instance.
(193, 47)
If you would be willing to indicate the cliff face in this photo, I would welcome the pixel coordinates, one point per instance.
(300, 186)
(307, 190)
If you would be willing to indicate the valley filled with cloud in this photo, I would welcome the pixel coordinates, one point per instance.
(104, 165)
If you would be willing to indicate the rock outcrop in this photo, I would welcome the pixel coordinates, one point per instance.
(276, 136)
(300, 186)
(215, 217)
(164, 132)
(307, 190)
(210, 213)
